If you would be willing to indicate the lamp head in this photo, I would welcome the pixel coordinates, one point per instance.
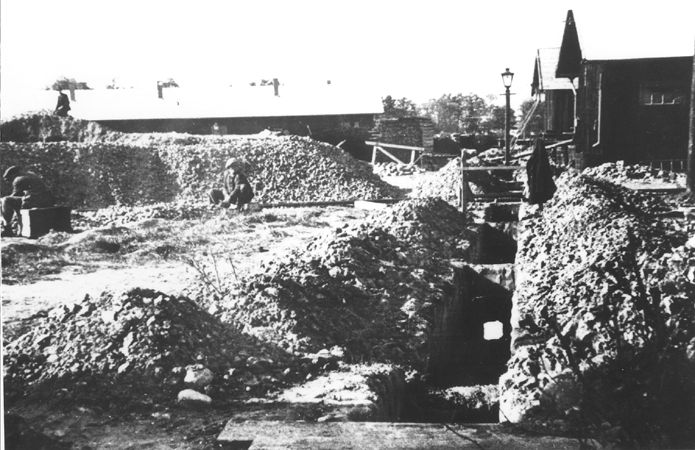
(507, 78)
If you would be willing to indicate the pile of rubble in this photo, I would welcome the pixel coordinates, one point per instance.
(370, 286)
(604, 316)
(395, 169)
(47, 127)
(95, 174)
(140, 342)
(121, 215)
(619, 172)
(290, 168)
(446, 183)
(161, 167)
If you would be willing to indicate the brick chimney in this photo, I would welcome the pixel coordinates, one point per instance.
(276, 87)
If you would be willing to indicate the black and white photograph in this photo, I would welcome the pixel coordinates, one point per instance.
(363, 224)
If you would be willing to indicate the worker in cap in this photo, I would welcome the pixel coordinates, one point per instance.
(28, 191)
(237, 189)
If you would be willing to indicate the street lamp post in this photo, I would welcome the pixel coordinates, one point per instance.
(507, 77)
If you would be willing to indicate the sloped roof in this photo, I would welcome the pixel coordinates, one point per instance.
(197, 103)
(627, 41)
(569, 60)
(544, 78)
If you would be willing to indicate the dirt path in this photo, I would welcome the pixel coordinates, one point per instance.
(248, 245)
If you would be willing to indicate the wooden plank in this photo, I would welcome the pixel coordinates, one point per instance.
(493, 168)
(365, 204)
(558, 144)
(382, 435)
(404, 147)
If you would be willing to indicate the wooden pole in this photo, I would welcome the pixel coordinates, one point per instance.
(464, 184)
(690, 184)
(507, 126)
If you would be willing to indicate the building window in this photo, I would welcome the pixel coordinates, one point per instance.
(661, 95)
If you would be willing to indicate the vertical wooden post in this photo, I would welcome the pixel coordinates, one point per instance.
(464, 185)
(374, 154)
(690, 180)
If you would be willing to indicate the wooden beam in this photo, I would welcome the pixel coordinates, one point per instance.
(404, 147)
(492, 168)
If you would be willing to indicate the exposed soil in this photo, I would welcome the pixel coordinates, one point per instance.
(72, 266)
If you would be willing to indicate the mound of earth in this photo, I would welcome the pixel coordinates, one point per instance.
(91, 167)
(370, 287)
(45, 127)
(138, 343)
(604, 320)
(446, 182)
(620, 173)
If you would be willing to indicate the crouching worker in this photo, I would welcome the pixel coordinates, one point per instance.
(237, 190)
(28, 191)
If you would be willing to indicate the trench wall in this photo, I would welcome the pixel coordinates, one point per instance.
(602, 316)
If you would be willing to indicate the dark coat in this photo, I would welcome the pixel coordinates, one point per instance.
(541, 186)
(238, 189)
(63, 105)
(33, 191)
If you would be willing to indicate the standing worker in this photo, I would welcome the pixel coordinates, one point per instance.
(236, 186)
(541, 186)
(28, 191)
(63, 105)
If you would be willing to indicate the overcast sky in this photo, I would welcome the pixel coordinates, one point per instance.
(417, 49)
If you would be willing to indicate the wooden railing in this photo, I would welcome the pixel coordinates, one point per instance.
(672, 165)
(415, 152)
(465, 198)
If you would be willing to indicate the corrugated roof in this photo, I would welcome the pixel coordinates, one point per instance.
(192, 103)
(546, 63)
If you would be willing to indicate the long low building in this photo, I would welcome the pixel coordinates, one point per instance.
(299, 109)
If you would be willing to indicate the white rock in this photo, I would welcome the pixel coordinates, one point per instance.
(198, 376)
(193, 398)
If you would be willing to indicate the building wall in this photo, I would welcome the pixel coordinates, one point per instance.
(559, 112)
(644, 107)
(299, 125)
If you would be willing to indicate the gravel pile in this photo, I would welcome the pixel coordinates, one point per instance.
(137, 168)
(134, 342)
(95, 174)
(290, 168)
(369, 286)
(46, 127)
(619, 173)
(446, 183)
(121, 215)
(605, 322)
(395, 169)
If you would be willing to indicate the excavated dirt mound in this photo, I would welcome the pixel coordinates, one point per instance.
(289, 168)
(121, 215)
(92, 167)
(369, 287)
(620, 173)
(604, 322)
(52, 128)
(136, 343)
(446, 182)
